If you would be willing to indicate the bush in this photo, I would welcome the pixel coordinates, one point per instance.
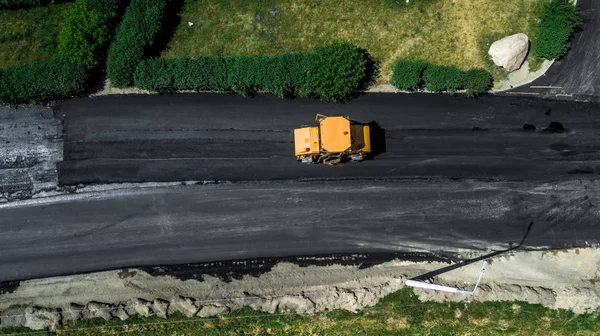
(282, 75)
(38, 82)
(559, 19)
(477, 81)
(337, 70)
(285, 75)
(24, 3)
(87, 30)
(141, 23)
(443, 78)
(407, 74)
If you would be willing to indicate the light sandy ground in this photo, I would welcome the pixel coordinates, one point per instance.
(522, 76)
(556, 279)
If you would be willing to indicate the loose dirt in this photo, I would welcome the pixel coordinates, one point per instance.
(568, 279)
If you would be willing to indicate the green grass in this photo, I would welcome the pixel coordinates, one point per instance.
(453, 33)
(400, 313)
(28, 35)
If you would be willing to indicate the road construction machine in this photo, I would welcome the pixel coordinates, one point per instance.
(334, 140)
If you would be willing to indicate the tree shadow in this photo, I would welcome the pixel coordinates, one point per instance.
(170, 22)
(437, 272)
(372, 70)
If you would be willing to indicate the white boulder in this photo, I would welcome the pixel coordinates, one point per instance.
(510, 52)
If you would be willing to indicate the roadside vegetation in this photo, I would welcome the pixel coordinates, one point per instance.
(415, 75)
(559, 19)
(319, 49)
(333, 72)
(80, 47)
(400, 313)
(449, 33)
(30, 35)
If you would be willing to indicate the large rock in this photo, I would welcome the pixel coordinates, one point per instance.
(510, 52)
(14, 317)
(72, 312)
(210, 310)
(97, 309)
(41, 318)
(183, 305)
(296, 304)
(160, 308)
(138, 307)
(120, 313)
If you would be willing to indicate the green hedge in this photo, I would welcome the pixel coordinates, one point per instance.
(478, 81)
(136, 33)
(559, 19)
(59, 78)
(339, 69)
(407, 74)
(87, 30)
(286, 75)
(443, 78)
(24, 3)
(415, 75)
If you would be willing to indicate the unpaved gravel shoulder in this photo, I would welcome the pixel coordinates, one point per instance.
(568, 279)
(30, 147)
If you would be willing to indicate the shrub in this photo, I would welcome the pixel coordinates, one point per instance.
(285, 75)
(87, 30)
(407, 74)
(559, 19)
(477, 81)
(200, 74)
(443, 78)
(24, 3)
(337, 70)
(141, 22)
(155, 74)
(38, 82)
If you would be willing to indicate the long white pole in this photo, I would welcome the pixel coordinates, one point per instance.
(425, 285)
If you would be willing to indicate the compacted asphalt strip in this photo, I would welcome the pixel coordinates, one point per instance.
(454, 174)
(207, 223)
(218, 137)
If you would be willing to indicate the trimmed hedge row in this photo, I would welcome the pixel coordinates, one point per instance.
(59, 78)
(414, 75)
(407, 74)
(24, 3)
(87, 30)
(334, 72)
(136, 33)
(558, 22)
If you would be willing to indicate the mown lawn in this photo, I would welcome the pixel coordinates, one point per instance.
(449, 32)
(28, 35)
(400, 313)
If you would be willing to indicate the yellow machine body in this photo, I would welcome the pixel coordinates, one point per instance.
(333, 140)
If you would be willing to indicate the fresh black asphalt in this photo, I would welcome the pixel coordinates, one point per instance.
(188, 224)
(229, 138)
(455, 173)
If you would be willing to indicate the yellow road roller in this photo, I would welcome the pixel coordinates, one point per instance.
(334, 140)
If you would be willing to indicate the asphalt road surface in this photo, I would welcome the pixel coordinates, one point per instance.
(229, 138)
(184, 224)
(578, 73)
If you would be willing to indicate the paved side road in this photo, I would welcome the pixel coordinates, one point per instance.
(220, 137)
(577, 75)
(258, 220)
